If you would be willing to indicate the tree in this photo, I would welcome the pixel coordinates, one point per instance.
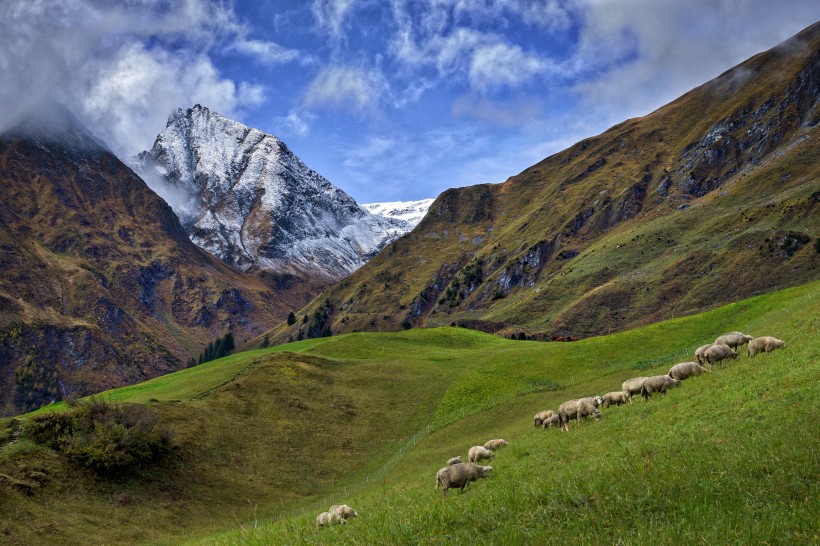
(265, 342)
(291, 319)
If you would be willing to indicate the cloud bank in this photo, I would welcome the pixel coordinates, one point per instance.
(122, 68)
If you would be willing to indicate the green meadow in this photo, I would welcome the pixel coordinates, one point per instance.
(269, 438)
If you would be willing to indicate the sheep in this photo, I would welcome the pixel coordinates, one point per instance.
(575, 409)
(327, 518)
(495, 444)
(716, 353)
(478, 453)
(459, 475)
(764, 344)
(542, 416)
(454, 460)
(342, 512)
(553, 421)
(734, 339)
(685, 370)
(700, 353)
(657, 383)
(615, 397)
(631, 387)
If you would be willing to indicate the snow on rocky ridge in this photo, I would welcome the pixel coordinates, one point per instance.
(407, 211)
(243, 196)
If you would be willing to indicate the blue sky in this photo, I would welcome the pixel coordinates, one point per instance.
(388, 99)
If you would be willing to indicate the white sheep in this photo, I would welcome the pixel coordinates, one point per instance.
(495, 444)
(578, 408)
(326, 518)
(764, 344)
(542, 416)
(632, 386)
(615, 398)
(716, 353)
(685, 370)
(734, 339)
(459, 475)
(700, 353)
(477, 453)
(342, 512)
(454, 460)
(553, 421)
(657, 383)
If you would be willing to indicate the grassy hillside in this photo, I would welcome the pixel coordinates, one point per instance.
(709, 199)
(271, 437)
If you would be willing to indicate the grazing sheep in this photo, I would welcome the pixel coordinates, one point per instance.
(685, 370)
(575, 409)
(326, 518)
(615, 397)
(657, 383)
(764, 344)
(553, 421)
(459, 475)
(542, 416)
(342, 512)
(716, 353)
(734, 339)
(495, 444)
(700, 353)
(454, 460)
(632, 387)
(478, 453)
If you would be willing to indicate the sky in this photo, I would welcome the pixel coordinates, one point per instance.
(388, 99)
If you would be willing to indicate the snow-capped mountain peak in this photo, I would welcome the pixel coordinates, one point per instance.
(243, 196)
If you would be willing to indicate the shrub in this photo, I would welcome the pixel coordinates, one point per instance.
(105, 437)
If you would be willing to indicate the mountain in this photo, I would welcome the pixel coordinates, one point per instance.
(243, 196)
(410, 212)
(711, 198)
(99, 284)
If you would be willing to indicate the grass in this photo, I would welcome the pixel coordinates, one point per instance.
(271, 437)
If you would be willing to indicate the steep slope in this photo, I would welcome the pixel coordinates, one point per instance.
(710, 198)
(385, 411)
(99, 284)
(246, 198)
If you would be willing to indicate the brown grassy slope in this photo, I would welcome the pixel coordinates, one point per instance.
(99, 285)
(708, 199)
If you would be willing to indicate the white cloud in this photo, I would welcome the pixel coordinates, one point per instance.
(345, 86)
(92, 56)
(133, 93)
(500, 65)
(331, 14)
(267, 52)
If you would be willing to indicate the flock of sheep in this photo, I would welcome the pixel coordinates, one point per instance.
(724, 347)
(457, 474)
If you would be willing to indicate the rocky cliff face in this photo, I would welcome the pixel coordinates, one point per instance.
(99, 284)
(246, 198)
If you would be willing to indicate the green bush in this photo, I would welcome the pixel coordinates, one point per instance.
(108, 438)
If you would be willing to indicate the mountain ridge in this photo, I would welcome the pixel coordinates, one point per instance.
(708, 198)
